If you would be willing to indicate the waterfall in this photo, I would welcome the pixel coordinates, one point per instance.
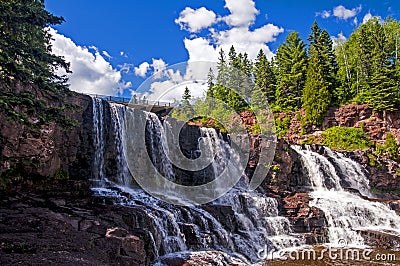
(345, 212)
(98, 132)
(240, 223)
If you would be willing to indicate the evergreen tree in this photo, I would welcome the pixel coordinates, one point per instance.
(210, 84)
(265, 81)
(222, 67)
(323, 46)
(187, 111)
(25, 51)
(316, 96)
(369, 65)
(291, 60)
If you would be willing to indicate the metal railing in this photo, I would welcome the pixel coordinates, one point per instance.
(133, 100)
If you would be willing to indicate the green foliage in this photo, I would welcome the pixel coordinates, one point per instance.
(346, 138)
(61, 174)
(369, 67)
(276, 168)
(265, 81)
(23, 107)
(291, 61)
(373, 162)
(26, 61)
(316, 96)
(25, 51)
(391, 148)
(310, 140)
(185, 112)
(282, 126)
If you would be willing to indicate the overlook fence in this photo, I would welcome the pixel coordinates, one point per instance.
(133, 101)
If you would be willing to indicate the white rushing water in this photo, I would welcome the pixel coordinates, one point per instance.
(253, 222)
(345, 212)
(242, 222)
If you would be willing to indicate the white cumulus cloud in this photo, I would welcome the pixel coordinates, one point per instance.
(194, 20)
(142, 69)
(369, 16)
(242, 15)
(157, 65)
(342, 12)
(323, 14)
(92, 73)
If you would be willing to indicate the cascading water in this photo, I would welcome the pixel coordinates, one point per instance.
(345, 212)
(254, 222)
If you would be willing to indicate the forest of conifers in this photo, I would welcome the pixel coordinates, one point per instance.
(365, 68)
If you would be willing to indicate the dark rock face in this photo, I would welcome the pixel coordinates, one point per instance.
(286, 175)
(376, 124)
(37, 229)
(383, 174)
(306, 219)
(380, 239)
(50, 151)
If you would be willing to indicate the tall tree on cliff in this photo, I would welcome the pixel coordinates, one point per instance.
(369, 65)
(25, 50)
(291, 60)
(320, 81)
(265, 81)
(316, 96)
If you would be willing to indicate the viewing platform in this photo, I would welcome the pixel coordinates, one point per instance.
(158, 107)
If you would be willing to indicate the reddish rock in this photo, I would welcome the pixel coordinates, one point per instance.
(51, 148)
(305, 219)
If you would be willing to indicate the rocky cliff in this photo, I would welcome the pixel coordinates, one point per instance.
(375, 124)
(48, 150)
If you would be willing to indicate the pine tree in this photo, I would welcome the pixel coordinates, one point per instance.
(323, 45)
(25, 50)
(291, 60)
(316, 96)
(265, 81)
(210, 83)
(187, 109)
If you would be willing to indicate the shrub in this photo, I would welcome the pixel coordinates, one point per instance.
(391, 146)
(282, 126)
(346, 138)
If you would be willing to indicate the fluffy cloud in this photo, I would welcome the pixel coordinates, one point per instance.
(343, 13)
(369, 16)
(242, 15)
(170, 83)
(91, 72)
(142, 69)
(323, 14)
(339, 39)
(195, 20)
(157, 65)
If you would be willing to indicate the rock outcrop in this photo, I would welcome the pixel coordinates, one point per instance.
(50, 150)
(375, 124)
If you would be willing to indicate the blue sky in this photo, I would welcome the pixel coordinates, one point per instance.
(114, 46)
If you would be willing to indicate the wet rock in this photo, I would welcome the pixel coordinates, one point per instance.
(306, 219)
(224, 214)
(383, 240)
